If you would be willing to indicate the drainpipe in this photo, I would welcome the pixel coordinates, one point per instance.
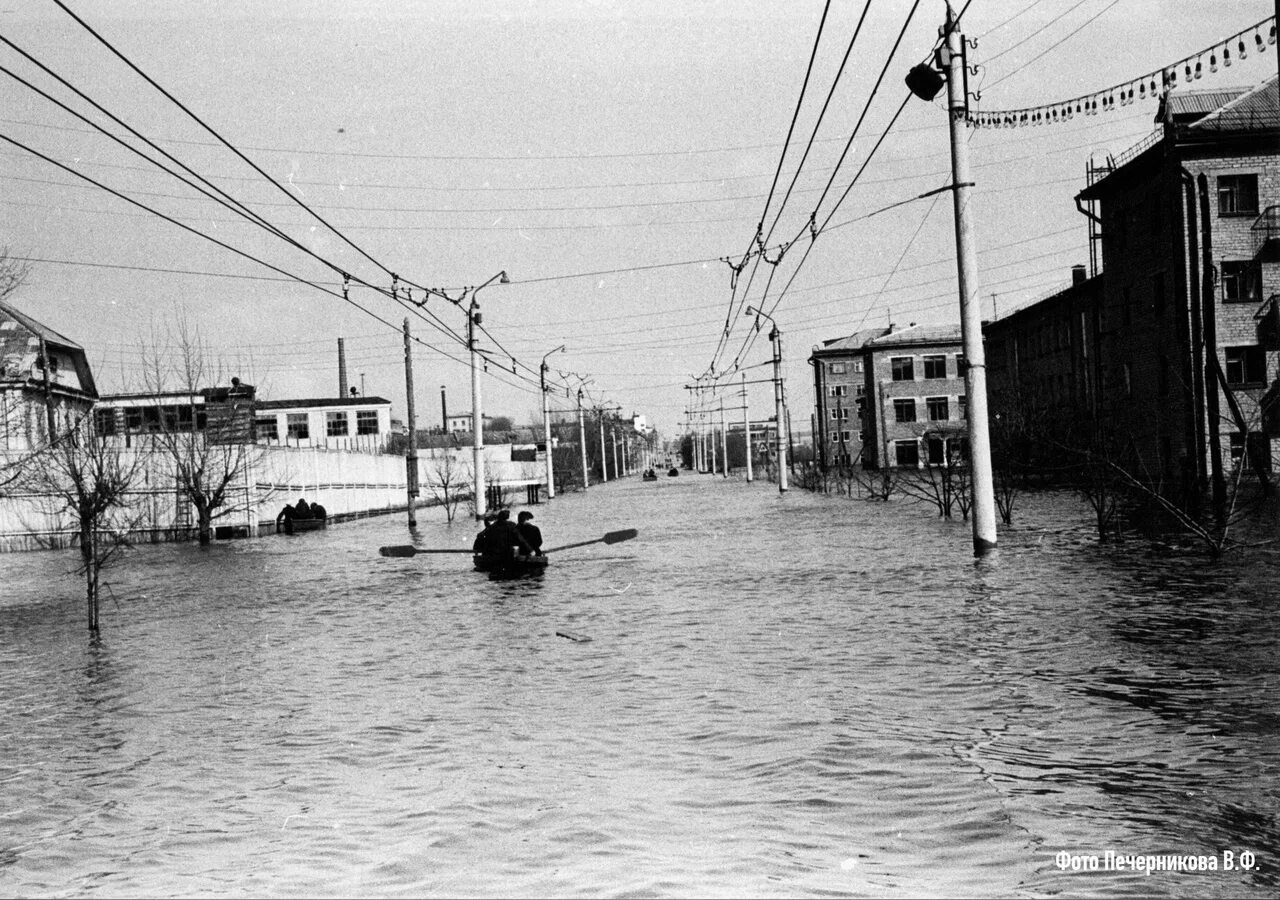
(1208, 300)
(1197, 330)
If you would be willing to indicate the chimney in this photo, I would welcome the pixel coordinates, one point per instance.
(1077, 275)
(444, 410)
(342, 369)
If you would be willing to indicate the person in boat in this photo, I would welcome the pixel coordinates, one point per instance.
(318, 511)
(483, 539)
(302, 510)
(506, 540)
(531, 534)
(284, 520)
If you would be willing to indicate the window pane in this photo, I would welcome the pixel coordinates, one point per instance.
(335, 424)
(939, 409)
(935, 367)
(367, 421)
(904, 410)
(903, 368)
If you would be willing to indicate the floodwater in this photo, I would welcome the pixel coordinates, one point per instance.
(780, 696)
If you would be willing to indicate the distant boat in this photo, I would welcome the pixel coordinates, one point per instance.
(650, 475)
(673, 472)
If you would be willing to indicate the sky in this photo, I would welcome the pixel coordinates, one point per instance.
(614, 159)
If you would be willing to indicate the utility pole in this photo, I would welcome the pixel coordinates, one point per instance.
(776, 336)
(546, 423)
(984, 508)
(479, 501)
(925, 82)
(582, 440)
(724, 444)
(411, 452)
(604, 464)
(746, 425)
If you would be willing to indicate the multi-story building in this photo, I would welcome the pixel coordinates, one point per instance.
(890, 397)
(1043, 362)
(839, 390)
(1188, 330)
(336, 423)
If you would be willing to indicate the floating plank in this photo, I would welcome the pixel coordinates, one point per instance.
(573, 636)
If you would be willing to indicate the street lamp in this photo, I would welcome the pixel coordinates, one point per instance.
(546, 421)
(776, 337)
(477, 419)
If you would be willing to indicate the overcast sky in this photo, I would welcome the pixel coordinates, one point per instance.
(605, 155)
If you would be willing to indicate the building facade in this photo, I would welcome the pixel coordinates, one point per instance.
(337, 423)
(890, 397)
(1188, 331)
(43, 376)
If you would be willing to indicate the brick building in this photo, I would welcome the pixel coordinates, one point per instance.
(1188, 331)
(889, 396)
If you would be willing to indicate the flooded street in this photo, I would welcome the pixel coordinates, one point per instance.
(779, 696)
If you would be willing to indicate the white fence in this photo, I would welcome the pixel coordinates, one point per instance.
(347, 484)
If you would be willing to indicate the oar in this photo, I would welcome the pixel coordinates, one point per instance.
(613, 537)
(410, 550)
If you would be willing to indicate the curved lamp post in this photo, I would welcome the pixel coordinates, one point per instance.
(776, 337)
(546, 421)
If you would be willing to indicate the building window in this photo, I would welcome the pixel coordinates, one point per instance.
(857, 365)
(366, 421)
(840, 414)
(299, 429)
(907, 453)
(904, 410)
(266, 428)
(839, 390)
(939, 409)
(937, 450)
(1241, 280)
(904, 368)
(1237, 195)
(336, 424)
(104, 422)
(963, 403)
(935, 366)
(1246, 365)
(836, 368)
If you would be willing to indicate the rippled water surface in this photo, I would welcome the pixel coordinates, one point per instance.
(793, 695)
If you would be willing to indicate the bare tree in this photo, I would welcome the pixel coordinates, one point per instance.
(447, 482)
(943, 480)
(85, 478)
(13, 272)
(206, 433)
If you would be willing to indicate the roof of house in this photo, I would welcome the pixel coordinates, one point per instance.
(916, 334)
(1181, 104)
(849, 343)
(14, 344)
(314, 403)
(36, 328)
(1253, 110)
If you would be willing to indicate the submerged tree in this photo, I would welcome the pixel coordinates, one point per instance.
(447, 480)
(207, 435)
(85, 478)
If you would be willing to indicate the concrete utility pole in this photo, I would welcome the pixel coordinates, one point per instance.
(604, 460)
(724, 444)
(779, 406)
(411, 452)
(982, 480)
(582, 440)
(617, 460)
(546, 422)
(477, 417)
(746, 425)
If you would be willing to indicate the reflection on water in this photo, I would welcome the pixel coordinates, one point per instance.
(776, 696)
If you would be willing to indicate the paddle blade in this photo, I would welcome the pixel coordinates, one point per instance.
(617, 537)
(399, 550)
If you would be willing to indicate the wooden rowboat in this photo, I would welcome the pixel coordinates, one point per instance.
(512, 566)
(296, 526)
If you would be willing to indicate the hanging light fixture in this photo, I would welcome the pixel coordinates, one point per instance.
(1197, 70)
(1244, 51)
(1213, 62)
